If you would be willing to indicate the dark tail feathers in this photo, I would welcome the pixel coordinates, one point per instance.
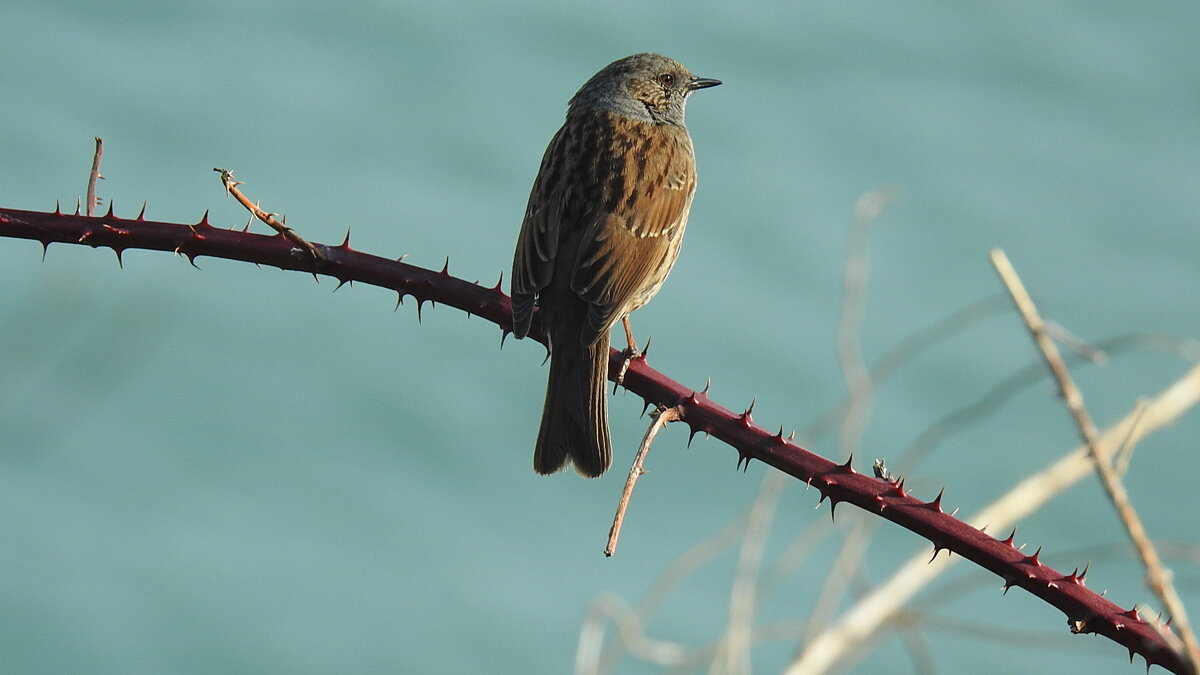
(575, 417)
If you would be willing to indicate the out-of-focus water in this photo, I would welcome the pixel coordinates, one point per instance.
(236, 470)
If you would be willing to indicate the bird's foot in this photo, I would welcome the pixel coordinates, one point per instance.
(631, 353)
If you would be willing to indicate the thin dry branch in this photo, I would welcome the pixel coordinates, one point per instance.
(93, 177)
(845, 637)
(859, 393)
(1158, 577)
(1124, 454)
(594, 656)
(854, 285)
(231, 187)
(733, 649)
(661, 419)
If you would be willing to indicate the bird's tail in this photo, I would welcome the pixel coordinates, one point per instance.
(575, 417)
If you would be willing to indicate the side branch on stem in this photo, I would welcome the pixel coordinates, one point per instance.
(231, 187)
(661, 419)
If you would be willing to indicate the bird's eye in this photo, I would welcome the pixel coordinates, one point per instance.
(666, 79)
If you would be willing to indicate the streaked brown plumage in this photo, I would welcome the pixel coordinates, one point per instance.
(602, 229)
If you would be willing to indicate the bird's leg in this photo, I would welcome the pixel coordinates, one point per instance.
(631, 352)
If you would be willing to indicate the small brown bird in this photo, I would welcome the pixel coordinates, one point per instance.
(601, 232)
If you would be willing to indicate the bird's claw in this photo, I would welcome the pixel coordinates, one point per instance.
(631, 353)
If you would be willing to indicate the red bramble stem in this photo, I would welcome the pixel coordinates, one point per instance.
(1087, 612)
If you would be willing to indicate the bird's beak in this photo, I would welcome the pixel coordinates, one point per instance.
(701, 83)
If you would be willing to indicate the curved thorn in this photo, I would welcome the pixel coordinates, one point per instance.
(1011, 537)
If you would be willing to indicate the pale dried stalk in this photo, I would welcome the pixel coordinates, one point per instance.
(661, 420)
(848, 635)
(93, 177)
(231, 187)
(1157, 576)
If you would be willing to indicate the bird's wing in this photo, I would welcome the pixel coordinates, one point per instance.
(632, 243)
(537, 244)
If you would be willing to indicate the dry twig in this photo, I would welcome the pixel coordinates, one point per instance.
(1158, 577)
(661, 419)
(93, 177)
(231, 184)
(847, 635)
(854, 284)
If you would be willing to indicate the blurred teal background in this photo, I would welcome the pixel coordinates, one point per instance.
(236, 470)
